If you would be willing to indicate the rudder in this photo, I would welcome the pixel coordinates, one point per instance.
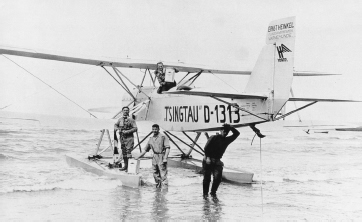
(273, 71)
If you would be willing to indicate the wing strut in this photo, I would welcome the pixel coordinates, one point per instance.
(184, 143)
(153, 80)
(295, 104)
(125, 89)
(174, 143)
(117, 71)
(237, 107)
(190, 80)
(291, 112)
(124, 84)
(194, 142)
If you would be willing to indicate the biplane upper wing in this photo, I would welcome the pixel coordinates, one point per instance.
(319, 100)
(217, 94)
(116, 62)
(127, 63)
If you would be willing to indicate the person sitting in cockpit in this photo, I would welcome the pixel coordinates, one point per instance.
(160, 75)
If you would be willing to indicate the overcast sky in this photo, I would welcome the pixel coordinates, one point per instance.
(219, 34)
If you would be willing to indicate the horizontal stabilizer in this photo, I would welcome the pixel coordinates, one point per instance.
(320, 100)
(311, 74)
(220, 95)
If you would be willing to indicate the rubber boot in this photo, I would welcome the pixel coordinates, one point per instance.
(205, 188)
(214, 187)
(125, 167)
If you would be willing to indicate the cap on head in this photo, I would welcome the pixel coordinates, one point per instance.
(226, 128)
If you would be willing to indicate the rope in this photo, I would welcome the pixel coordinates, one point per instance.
(261, 181)
(38, 91)
(261, 174)
(50, 87)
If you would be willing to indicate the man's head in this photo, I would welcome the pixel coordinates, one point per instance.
(159, 65)
(155, 129)
(225, 130)
(125, 111)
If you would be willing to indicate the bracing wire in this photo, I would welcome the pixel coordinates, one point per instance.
(224, 82)
(38, 91)
(50, 86)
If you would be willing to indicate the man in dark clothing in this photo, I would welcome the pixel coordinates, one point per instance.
(160, 75)
(214, 150)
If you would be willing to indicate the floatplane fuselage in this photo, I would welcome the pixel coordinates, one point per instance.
(199, 114)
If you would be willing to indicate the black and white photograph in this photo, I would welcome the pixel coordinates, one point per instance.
(180, 110)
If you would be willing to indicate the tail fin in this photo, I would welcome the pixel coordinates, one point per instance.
(273, 71)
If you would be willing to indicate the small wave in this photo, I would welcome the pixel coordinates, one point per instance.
(334, 138)
(305, 178)
(4, 131)
(88, 184)
(293, 180)
(180, 182)
(275, 179)
(3, 157)
(59, 150)
(306, 138)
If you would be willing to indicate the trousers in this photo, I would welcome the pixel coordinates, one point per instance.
(127, 143)
(215, 169)
(159, 169)
(166, 87)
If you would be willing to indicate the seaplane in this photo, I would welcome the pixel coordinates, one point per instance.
(187, 109)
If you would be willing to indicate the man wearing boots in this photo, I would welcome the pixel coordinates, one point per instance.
(160, 146)
(214, 150)
(123, 135)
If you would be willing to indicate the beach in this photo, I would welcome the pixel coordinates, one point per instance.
(304, 177)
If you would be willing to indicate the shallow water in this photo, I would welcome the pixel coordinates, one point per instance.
(305, 177)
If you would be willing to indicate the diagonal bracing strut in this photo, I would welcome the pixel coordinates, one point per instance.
(291, 112)
(185, 143)
(194, 142)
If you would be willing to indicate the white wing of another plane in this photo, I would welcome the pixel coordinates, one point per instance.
(319, 100)
(127, 63)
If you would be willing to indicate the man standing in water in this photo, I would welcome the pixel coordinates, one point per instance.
(160, 146)
(124, 129)
(214, 150)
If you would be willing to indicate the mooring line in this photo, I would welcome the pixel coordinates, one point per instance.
(261, 181)
(50, 86)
